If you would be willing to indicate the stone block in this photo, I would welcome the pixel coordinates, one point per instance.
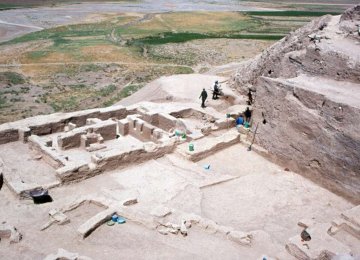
(166, 122)
(90, 138)
(352, 215)
(240, 238)
(24, 133)
(70, 139)
(107, 129)
(93, 121)
(157, 134)
(76, 171)
(161, 211)
(123, 127)
(59, 217)
(90, 225)
(95, 147)
(71, 126)
(208, 225)
(9, 135)
(208, 146)
(225, 123)
(183, 228)
(10, 232)
(147, 131)
(129, 201)
(118, 112)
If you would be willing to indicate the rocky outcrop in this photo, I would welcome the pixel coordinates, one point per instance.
(308, 91)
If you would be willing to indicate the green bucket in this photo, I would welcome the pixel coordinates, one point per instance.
(191, 147)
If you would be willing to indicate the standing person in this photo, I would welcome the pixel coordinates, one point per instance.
(216, 91)
(250, 98)
(247, 114)
(203, 97)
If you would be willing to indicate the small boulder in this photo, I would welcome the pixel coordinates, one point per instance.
(241, 238)
(10, 232)
(161, 211)
(183, 229)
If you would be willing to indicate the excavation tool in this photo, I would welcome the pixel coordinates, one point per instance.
(253, 139)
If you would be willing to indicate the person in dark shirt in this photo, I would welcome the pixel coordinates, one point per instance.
(216, 91)
(247, 114)
(203, 97)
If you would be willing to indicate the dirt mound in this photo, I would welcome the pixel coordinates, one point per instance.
(307, 89)
(352, 14)
(350, 20)
(179, 88)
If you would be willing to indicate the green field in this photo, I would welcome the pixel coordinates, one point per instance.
(167, 29)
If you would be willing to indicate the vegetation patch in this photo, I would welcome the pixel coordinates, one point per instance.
(67, 104)
(125, 92)
(3, 102)
(4, 6)
(107, 91)
(35, 55)
(171, 37)
(90, 68)
(10, 77)
(291, 13)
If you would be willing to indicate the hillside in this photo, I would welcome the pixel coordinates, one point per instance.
(307, 88)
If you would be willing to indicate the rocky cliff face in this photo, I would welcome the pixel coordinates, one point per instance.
(308, 90)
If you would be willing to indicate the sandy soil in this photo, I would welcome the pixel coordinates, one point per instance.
(264, 196)
(184, 88)
(243, 203)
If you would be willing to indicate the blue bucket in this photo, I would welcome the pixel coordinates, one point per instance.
(114, 218)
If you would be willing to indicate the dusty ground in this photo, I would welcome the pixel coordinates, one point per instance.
(243, 203)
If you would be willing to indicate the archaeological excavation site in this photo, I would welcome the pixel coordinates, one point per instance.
(268, 170)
